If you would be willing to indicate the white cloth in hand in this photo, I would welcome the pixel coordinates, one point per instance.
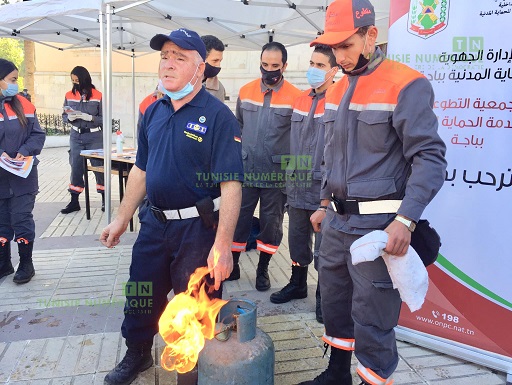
(73, 117)
(408, 274)
(86, 117)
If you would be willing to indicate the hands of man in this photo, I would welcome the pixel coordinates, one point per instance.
(316, 219)
(220, 263)
(399, 239)
(110, 236)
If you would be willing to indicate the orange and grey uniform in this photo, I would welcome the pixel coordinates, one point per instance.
(381, 143)
(18, 195)
(264, 116)
(304, 174)
(84, 135)
(146, 102)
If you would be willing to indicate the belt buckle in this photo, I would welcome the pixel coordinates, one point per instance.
(159, 214)
(337, 205)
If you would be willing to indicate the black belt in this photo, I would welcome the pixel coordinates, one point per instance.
(355, 207)
(86, 130)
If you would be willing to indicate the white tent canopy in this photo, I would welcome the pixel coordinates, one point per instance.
(240, 24)
(126, 26)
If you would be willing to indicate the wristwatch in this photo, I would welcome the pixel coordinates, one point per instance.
(411, 225)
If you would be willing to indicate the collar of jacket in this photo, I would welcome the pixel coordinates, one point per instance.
(276, 88)
(212, 83)
(377, 58)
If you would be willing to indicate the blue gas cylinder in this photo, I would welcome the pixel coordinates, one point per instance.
(241, 353)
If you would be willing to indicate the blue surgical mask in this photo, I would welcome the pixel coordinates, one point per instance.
(11, 90)
(316, 77)
(177, 95)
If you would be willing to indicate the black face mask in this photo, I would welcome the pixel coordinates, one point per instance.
(211, 71)
(270, 78)
(361, 65)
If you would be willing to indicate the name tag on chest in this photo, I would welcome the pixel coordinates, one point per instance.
(197, 128)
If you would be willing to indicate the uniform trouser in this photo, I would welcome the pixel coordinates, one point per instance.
(16, 219)
(358, 303)
(77, 143)
(272, 201)
(300, 237)
(163, 258)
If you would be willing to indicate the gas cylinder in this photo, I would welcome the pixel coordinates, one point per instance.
(240, 353)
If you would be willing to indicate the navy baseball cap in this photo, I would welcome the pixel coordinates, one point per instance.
(183, 38)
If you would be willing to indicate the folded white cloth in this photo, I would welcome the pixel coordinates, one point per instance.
(408, 274)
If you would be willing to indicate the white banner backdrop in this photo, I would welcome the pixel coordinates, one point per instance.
(460, 47)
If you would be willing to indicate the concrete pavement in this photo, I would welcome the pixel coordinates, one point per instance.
(64, 326)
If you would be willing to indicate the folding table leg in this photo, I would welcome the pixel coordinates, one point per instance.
(86, 185)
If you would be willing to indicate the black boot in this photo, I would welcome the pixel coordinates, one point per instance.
(137, 359)
(296, 289)
(235, 274)
(5, 258)
(338, 371)
(72, 206)
(25, 270)
(262, 278)
(102, 201)
(318, 308)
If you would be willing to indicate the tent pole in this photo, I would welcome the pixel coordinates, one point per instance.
(106, 137)
(134, 110)
(107, 113)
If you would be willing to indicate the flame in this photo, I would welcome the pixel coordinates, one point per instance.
(187, 321)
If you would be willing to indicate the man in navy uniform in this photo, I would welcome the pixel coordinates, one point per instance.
(189, 155)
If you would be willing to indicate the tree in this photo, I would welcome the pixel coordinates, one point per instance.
(12, 49)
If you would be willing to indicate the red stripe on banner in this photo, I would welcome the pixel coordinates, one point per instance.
(453, 311)
(397, 9)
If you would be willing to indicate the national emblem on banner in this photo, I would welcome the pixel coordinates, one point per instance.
(428, 17)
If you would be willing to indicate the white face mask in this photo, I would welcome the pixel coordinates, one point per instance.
(177, 95)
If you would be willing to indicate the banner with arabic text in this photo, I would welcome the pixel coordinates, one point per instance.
(460, 47)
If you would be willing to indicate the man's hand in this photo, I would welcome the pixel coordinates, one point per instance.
(110, 236)
(399, 239)
(316, 219)
(220, 263)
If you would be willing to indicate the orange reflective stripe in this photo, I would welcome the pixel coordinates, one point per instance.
(269, 249)
(76, 188)
(22, 240)
(339, 343)
(238, 246)
(371, 378)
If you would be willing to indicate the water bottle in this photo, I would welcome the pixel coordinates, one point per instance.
(119, 142)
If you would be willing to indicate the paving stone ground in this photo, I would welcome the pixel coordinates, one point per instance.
(63, 326)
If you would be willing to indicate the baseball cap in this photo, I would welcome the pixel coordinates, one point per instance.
(343, 18)
(183, 38)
